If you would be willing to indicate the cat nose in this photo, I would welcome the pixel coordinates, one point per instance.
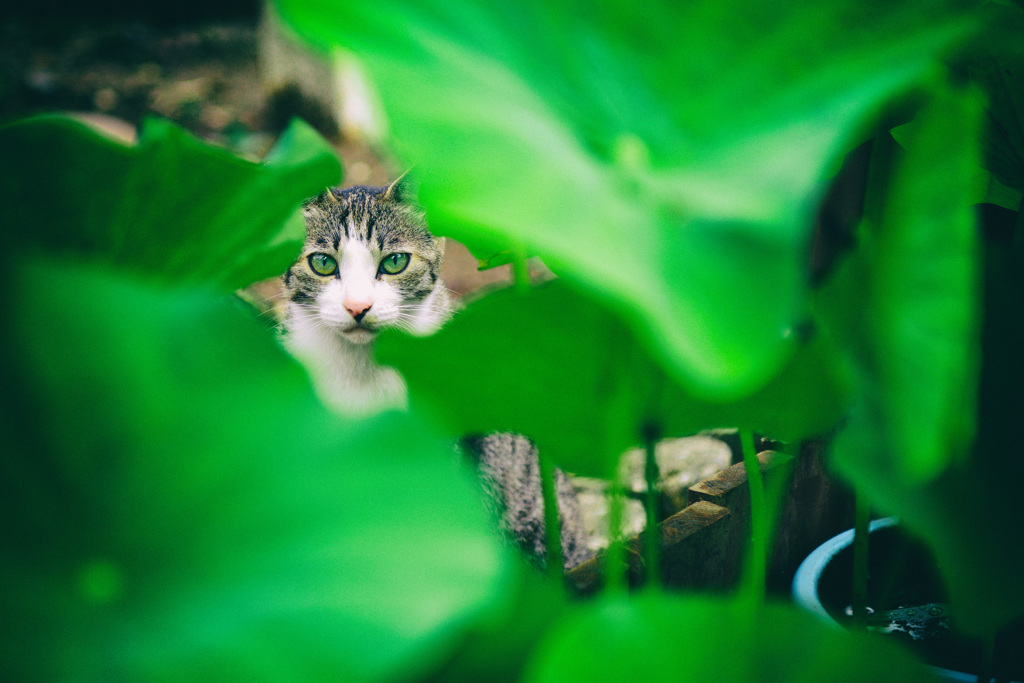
(358, 309)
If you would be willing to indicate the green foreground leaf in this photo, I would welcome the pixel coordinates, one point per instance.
(558, 367)
(175, 504)
(656, 637)
(171, 208)
(997, 66)
(669, 160)
(918, 345)
(909, 438)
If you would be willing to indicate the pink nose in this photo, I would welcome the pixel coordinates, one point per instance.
(357, 309)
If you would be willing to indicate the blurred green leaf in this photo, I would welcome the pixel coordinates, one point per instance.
(557, 366)
(996, 64)
(670, 160)
(499, 648)
(656, 637)
(172, 207)
(913, 319)
(917, 343)
(176, 505)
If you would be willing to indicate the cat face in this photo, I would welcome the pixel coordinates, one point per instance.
(369, 263)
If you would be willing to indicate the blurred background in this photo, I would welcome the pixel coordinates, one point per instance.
(221, 69)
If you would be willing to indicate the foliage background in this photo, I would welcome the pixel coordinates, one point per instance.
(156, 523)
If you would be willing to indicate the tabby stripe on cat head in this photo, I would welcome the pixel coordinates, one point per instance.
(369, 263)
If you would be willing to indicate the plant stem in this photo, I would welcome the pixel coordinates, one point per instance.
(615, 557)
(880, 164)
(552, 523)
(755, 570)
(985, 665)
(861, 528)
(521, 268)
(652, 533)
(1017, 246)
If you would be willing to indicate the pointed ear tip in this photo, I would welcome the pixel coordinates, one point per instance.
(400, 188)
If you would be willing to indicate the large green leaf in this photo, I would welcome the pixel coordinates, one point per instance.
(669, 160)
(175, 504)
(660, 637)
(171, 207)
(917, 343)
(997, 65)
(499, 648)
(554, 365)
(916, 347)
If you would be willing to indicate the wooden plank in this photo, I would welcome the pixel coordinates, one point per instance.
(694, 546)
(730, 489)
(693, 542)
(817, 508)
(703, 544)
(814, 508)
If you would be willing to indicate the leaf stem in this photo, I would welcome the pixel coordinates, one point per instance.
(861, 529)
(755, 570)
(987, 658)
(552, 522)
(521, 268)
(1017, 246)
(880, 164)
(652, 534)
(615, 557)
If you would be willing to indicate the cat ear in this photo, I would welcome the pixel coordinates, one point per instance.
(319, 204)
(324, 199)
(402, 190)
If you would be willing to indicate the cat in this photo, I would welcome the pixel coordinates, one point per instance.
(370, 264)
(509, 468)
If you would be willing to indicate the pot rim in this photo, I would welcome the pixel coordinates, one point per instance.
(805, 587)
(805, 581)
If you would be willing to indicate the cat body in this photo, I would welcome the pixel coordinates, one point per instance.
(369, 264)
(510, 470)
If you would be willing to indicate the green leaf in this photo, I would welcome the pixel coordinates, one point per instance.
(996, 64)
(499, 648)
(915, 312)
(172, 207)
(176, 505)
(559, 367)
(656, 637)
(917, 347)
(670, 160)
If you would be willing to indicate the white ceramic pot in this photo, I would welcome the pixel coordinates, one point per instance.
(808, 580)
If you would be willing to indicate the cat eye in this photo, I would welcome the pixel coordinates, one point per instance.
(393, 264)
(322, 264)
